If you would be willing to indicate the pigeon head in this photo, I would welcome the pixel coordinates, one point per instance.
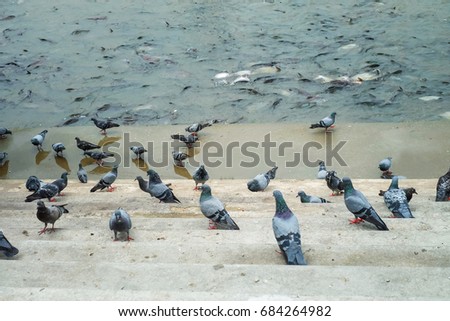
(282, 210)
(333, 114)
(301, 194)
(321, 163)
(64, 175)
(40, 204)
(394, 183)
(347, 182)
(206, 189)
(118, 216)
(45, 131)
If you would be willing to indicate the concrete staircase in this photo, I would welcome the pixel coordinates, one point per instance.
(175, 257)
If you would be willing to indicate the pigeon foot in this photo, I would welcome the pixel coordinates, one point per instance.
(356, 221)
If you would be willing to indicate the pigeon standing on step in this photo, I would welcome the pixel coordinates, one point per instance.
(214, 210)
(33, 183)
(327, 122)
(359, 206)
(85, 145)
(104, 124)
(158, 189)
(82, 174)
(120, 222)
(58, 148)
(49, 215)
(106, 181)
(48, 191)
(61, 183)
(334, 183)
(98, 156)
(200, 176)
(3, 157)
(260, 182)
(179, 157)
(189, 140)
(7, 248)
(138, 151)
(443, 188)
(408, 192)
(322, 173)
(305, 198)
(4, 131)
(143, 184)
(396, 200)
(287, 231)
(196, 127)
(38, 140)
(384, 165)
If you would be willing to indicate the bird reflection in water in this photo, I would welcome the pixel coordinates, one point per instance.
(40, 156)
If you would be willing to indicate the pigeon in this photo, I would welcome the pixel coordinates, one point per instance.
(287, 231)
(158, 189)
(7, 248)
(261, 181)
(408, 191)
(327, 122)
(49, 215)
(143, 184)
(322, 173)
(61, 182)
(120, 222)
(106, 181)
(4, 131)
(98, 156)
(196, 127)
(200, 176)
(358, 204)
(82, 174)
(85, 145)
(189, 140)
(48, 191)
(334, 183)
(214, 210)
(179, 157)
(58, 148)
(104, 124)
(38, 140)
(33, 183)
(304, 198)
(138, 150)
(443, 188)
(384, 166)
(3, 156)
(396, 200)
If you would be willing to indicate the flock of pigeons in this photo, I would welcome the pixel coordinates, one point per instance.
(285, 224)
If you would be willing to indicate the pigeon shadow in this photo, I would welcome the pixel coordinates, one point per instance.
(63, 163)
(40, 156)
(141, 164)
(87, 161)
(182, 171)
(4, 168)
(108, 140)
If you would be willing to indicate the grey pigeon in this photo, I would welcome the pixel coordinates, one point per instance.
(33, 183)
(214, 210)
(120, 222)
(358, 204)
(61, 182)
(38, 140)
(3, 157)
(104, 124)
(106, 181)
(287, 231)
(4, 131)
(58, 148)
(7, 248)
(384, 165)
(49, 215)
(334, 183)
(138, 150)
(179, 157)
(189, 140)
(158, 189)
(98, 156)
(326, 122)
(48, 191)
(305, 198)
(82, 174)
(396, 200)
(261, 181)
(143, 184)
(196, 127)
(322, 173)
(85, 145)
(200, 176)
(409, 192)
(443, 188)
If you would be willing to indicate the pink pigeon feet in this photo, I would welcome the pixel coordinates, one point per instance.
(111, 189)
(212, 225)
(356, 220)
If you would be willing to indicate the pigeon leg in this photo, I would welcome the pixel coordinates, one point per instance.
(196, 187)
(43, 230)
(212, 225)
(52, 199)
(60, 194)
(111, 188)
(129, 238)
(356, 220)
(103, 132)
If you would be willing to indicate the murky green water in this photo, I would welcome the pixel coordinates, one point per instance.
(153, 62)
